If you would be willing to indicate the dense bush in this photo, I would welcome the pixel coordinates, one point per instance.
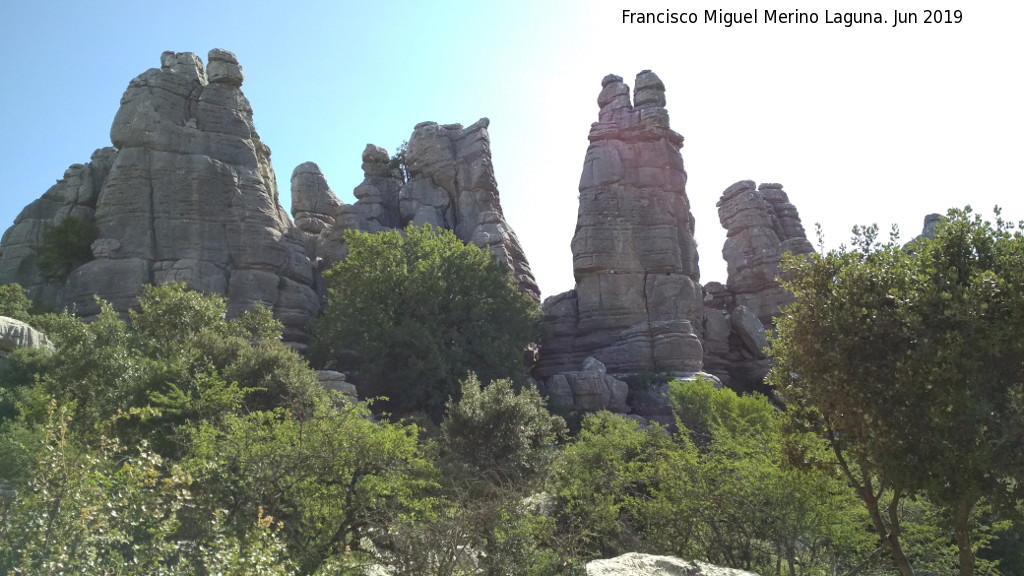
(421, 309)
(66, 246)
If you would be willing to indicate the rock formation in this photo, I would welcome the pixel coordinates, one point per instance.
(636, 564)
(761, 225)
(16, 334)
(187, 194)
(450, 185)
(637, 306)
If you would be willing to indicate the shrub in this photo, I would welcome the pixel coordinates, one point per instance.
(66, 246)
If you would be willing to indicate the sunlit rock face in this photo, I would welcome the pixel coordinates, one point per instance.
(187, 193)
(761, 225)
(637, 305)
(448, 182)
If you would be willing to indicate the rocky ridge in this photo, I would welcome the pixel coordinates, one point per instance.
(638, 306)
(448, 183)
(186, 194)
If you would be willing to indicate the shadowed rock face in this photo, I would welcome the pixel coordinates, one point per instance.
(187, 194)
(638, 300)
(450, 185)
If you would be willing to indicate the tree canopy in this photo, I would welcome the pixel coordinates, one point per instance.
(420, 309)
(910, 360)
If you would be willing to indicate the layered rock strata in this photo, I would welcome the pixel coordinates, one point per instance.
(761, 225)
(186, 194)
(448, 182)
(637, 305)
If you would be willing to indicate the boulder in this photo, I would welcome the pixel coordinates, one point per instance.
(15, 334)
(636, 564)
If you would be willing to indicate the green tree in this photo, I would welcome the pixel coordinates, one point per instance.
(754, 509)
(910, 362)
(65, 246)
(504, 436)
(421, 310)
(14, 303)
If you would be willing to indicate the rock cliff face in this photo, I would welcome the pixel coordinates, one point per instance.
(187, 194)
(637, 306)
(450, 185)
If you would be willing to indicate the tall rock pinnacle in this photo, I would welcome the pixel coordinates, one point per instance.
(638, 300)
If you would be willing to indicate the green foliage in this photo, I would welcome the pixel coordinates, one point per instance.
(332, 478)
(754, 510)
(399, 163)
(506, 437)
(421, 310)
(115, 511)
(608, 480)
(14, 303)
(66, 246)
(908, 360)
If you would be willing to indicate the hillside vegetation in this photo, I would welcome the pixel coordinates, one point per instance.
(175, 441)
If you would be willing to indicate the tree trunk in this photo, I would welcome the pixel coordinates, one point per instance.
(890, 534)
(963, 538)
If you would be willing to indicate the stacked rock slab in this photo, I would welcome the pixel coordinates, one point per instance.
(638, 300)
(450, 185)
(761, 225)
(187, 194)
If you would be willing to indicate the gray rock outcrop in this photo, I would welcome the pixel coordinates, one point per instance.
(636, 564)
(589, 389)
(637, 305)
(761, 224)
(450, 185)
(187, 194)
(15, 334)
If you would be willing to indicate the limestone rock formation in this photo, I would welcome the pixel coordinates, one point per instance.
(590, 389)
(450, 185)
(636, 564)
(637, 306)
(761, 224)
(187, 194)
(15, 334)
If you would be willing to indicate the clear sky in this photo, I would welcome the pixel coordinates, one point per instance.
(862, 124)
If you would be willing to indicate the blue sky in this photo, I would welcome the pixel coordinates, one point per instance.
(861, 124)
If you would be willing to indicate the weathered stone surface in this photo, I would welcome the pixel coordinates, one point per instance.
(928, 230)
(450, 185)
(589, 389)
(761, 224)
(637, 306)
(16, 334)
(188, 195)
(636, 564)
(336, 382)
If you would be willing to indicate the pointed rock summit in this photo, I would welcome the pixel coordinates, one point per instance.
(637, 306)
(186, 194)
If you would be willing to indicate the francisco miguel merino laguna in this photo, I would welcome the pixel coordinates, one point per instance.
(847, 19)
